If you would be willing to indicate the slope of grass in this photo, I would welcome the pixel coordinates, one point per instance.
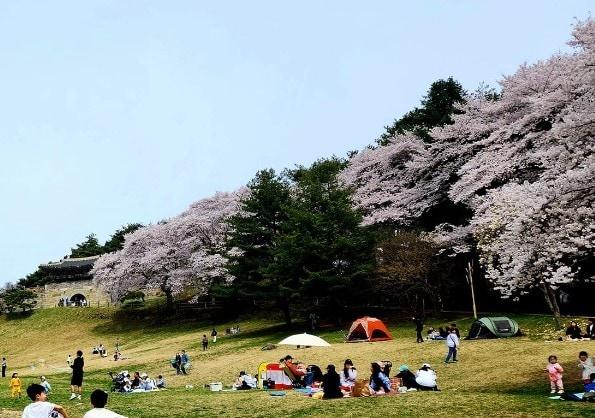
(493, 378)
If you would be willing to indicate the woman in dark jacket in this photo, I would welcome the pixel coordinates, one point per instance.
(573, 331)
(135, 381)
(76, 382)
(407, 377)
(331, 383)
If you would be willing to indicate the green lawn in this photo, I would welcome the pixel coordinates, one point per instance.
(497, 378)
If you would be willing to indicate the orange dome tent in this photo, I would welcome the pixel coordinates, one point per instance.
(368, 329)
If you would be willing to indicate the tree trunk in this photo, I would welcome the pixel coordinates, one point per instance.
(284, 304)
(552, 303)
(169, 298)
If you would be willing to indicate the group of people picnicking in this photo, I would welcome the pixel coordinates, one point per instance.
(574, 332)
(99, 349)
(123, 382)
(345, 382)
(433, 334)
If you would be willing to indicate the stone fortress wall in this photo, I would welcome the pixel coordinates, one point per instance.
(50, 294)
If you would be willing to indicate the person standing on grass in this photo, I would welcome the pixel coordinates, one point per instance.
(419, 327)
(4, 366)
(452, 342)
(555, 372)
(454, 326)
(40, 407)
(205, 342)
(590, 330)
(98, 401)
(76, 382)
(15, 386)
(185, 362)
(178, 363)
(214, 335)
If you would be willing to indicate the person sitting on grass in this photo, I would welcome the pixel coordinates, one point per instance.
(331, 383)
(135, 383)
(432, 333)
(244, 382)
(40, 407)
(46, 385)
(590, 386)
(587, 366)
(99, 400)
(407, 378)
(292, 370)
(573, 332)
(443, 333)
(348, 375)
(379, 382)
(160, 382)
(426, 378)
(146, 383)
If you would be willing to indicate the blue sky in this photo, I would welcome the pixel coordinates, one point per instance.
(126, 111)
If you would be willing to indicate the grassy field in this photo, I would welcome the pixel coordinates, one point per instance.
(497, 378)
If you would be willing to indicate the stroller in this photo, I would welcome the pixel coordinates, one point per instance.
(119, 383)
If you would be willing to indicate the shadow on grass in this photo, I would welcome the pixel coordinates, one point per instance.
(15, 316)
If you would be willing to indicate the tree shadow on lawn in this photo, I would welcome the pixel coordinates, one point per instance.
(15, 316)
(537, 382)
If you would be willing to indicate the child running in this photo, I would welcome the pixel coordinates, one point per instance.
(555, 373)
(15, 386)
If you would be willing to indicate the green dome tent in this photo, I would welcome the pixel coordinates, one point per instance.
(494, 327)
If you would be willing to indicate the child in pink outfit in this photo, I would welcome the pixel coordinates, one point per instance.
(555, 371)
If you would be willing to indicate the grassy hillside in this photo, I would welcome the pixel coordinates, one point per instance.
(493, 377)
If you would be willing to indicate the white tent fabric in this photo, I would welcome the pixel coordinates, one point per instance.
(305, 339)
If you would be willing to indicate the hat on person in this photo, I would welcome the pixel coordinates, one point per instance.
(426, 365)
(403, 367)
(144, 375)
(42, 377)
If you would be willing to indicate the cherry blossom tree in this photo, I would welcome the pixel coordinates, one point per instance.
(174, 255)
(522, 164)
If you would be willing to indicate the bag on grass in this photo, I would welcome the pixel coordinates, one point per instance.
(394, 384)
(357, 388)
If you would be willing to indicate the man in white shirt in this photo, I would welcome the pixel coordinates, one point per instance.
(98, 400)
(40, 408)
